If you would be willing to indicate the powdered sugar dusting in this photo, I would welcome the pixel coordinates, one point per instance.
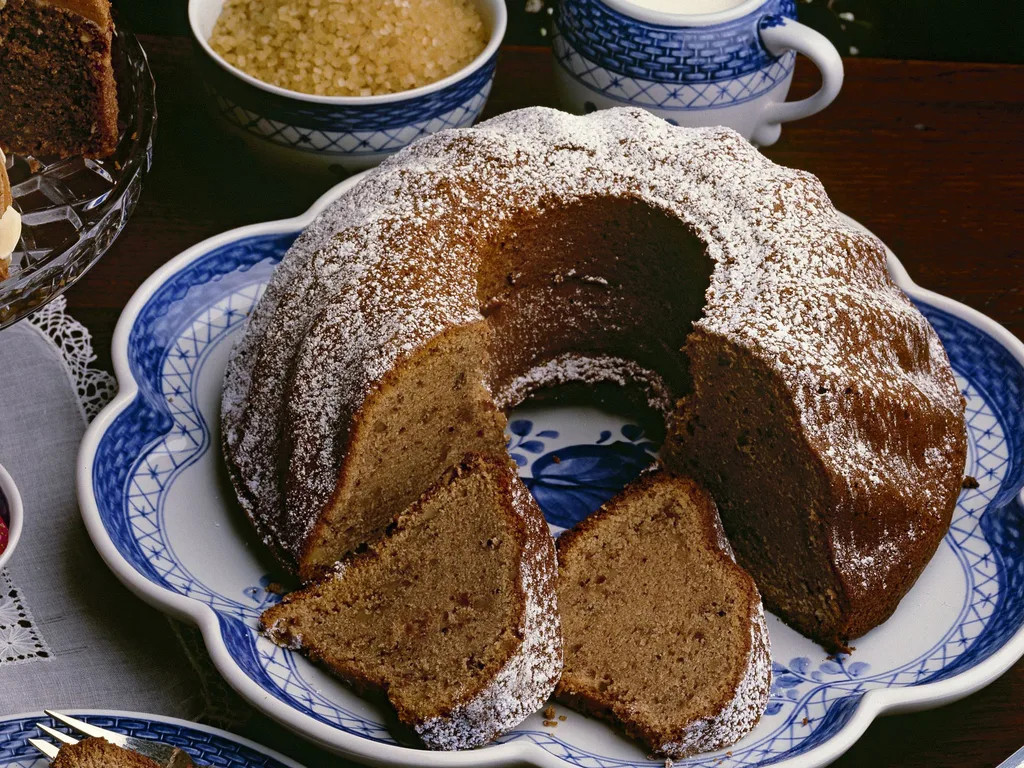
(394, 262)
(588, 370)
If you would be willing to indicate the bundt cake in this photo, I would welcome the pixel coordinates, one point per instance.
(664, 634)
(800, 385)
(452, 616)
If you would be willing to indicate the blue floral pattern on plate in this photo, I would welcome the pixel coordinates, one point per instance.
(572, 464)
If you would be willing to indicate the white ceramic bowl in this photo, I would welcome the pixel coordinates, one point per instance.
(340, 134)
(10, 508)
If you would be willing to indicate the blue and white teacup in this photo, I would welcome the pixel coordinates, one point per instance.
(730, 67)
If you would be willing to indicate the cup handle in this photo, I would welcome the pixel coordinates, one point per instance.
(792, 35)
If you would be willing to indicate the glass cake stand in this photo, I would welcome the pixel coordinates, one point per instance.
(72, 210)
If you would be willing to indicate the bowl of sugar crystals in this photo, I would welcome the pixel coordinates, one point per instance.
(338, 86)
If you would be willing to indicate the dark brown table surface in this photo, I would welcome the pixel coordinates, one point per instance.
(927, 155)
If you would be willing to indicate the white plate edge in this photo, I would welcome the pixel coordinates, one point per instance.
(872, 704)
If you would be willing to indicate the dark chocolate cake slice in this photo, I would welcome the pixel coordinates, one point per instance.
(57, 89)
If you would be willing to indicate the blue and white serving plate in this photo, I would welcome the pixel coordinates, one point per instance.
(206, 746)
(160, 511)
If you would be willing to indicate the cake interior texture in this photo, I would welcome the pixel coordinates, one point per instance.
(664, 633)
(58, 96)
(430, 615)
(99, 753)
(550, 319)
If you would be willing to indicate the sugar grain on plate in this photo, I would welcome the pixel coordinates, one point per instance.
(349, 48)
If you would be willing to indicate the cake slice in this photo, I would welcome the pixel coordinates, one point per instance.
(99, 753)
(57, 89)
(10, 221)
(451, 617)
(664, 634)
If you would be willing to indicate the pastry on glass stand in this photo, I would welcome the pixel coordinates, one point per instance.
(10, 221)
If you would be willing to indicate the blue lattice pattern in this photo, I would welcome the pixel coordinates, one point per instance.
(710, 94)
(994, 376)
(353, 141)
(351, 117)
(163, 431)
(697, 54)
(148, 417)
(204, 746)
(181, 445)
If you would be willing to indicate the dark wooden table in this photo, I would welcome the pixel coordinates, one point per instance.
(927, 155)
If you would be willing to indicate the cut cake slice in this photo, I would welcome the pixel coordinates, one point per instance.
(664, 633)
(451, 617)
(57, 90)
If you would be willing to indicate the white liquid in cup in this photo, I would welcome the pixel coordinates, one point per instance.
(689, 7)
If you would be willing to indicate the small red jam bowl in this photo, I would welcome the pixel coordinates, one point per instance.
(11, 514)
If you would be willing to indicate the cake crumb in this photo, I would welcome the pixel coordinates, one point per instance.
(969, 482)
(550, 723)
(549, 712)
(555, 459)
(805, 721)
(562, 718)
(276, 589)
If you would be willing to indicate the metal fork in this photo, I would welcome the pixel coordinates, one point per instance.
(164, 754)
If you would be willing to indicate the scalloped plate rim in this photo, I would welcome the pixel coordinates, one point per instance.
(871, 705)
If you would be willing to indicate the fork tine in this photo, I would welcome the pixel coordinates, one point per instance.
(45, 747)
(58, 735)
(85, 728)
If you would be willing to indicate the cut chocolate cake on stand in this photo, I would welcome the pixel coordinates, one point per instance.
(57, 90)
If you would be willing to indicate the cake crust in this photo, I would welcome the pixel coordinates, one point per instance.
(6, 200)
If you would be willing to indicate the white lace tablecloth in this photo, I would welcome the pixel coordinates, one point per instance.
(71, 636)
